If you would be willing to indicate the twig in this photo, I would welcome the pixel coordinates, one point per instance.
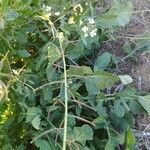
(82, 119)
(78, 102)
(42, 134)
(47, 84)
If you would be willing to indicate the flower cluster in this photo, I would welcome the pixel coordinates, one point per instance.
(57, 13)
(48, 12)
(60, 36)
(90, 29)
(47, 8)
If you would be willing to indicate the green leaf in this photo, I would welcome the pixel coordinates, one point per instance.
(126, 79)
(100, 80)
(101, 109)
(32, 112)
(42, 144)
(51, 73)
(36, 122)
(130, 139)
(90, 42)
(79, 71)
(109, 146)
(91, 87)
(102, 61)
(118, 15)
(75, 51)
(81, 134)
(118, 109)
(53, 53)
(118, 139)
(123, 123)
(40, 61)
(127, 92)
(47, 92)
(99, 120)
(135, 107)
(71, 121)
(24, 53)
(145, 102)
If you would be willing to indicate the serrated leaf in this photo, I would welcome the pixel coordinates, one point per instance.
(129, 91)
(106, 79)
(47, 92)
(102, 61)
(75, 51)
(100, 80)
(100, 122)
(118, 109)
(90, 86)
(51, 73)
(145, 102)
(135, 107)
(71, 121)
(36, 122)
(79, 71)
(53, 53)
(123, 123)
(31, 113)
(81, 134)
(49, 52)
(101, 109)
(24, 53)
(40, 61)
(117, 138)
(118, 15)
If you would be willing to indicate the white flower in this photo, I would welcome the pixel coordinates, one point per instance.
(57, 13)
(61, 36)
(80, 22)
(93, 32)
(47, 8)
(85, 29)
(91, 20)
(85, 35)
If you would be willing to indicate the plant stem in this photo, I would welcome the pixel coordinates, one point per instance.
(66, 98)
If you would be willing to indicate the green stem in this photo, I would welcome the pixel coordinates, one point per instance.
(66, 99)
